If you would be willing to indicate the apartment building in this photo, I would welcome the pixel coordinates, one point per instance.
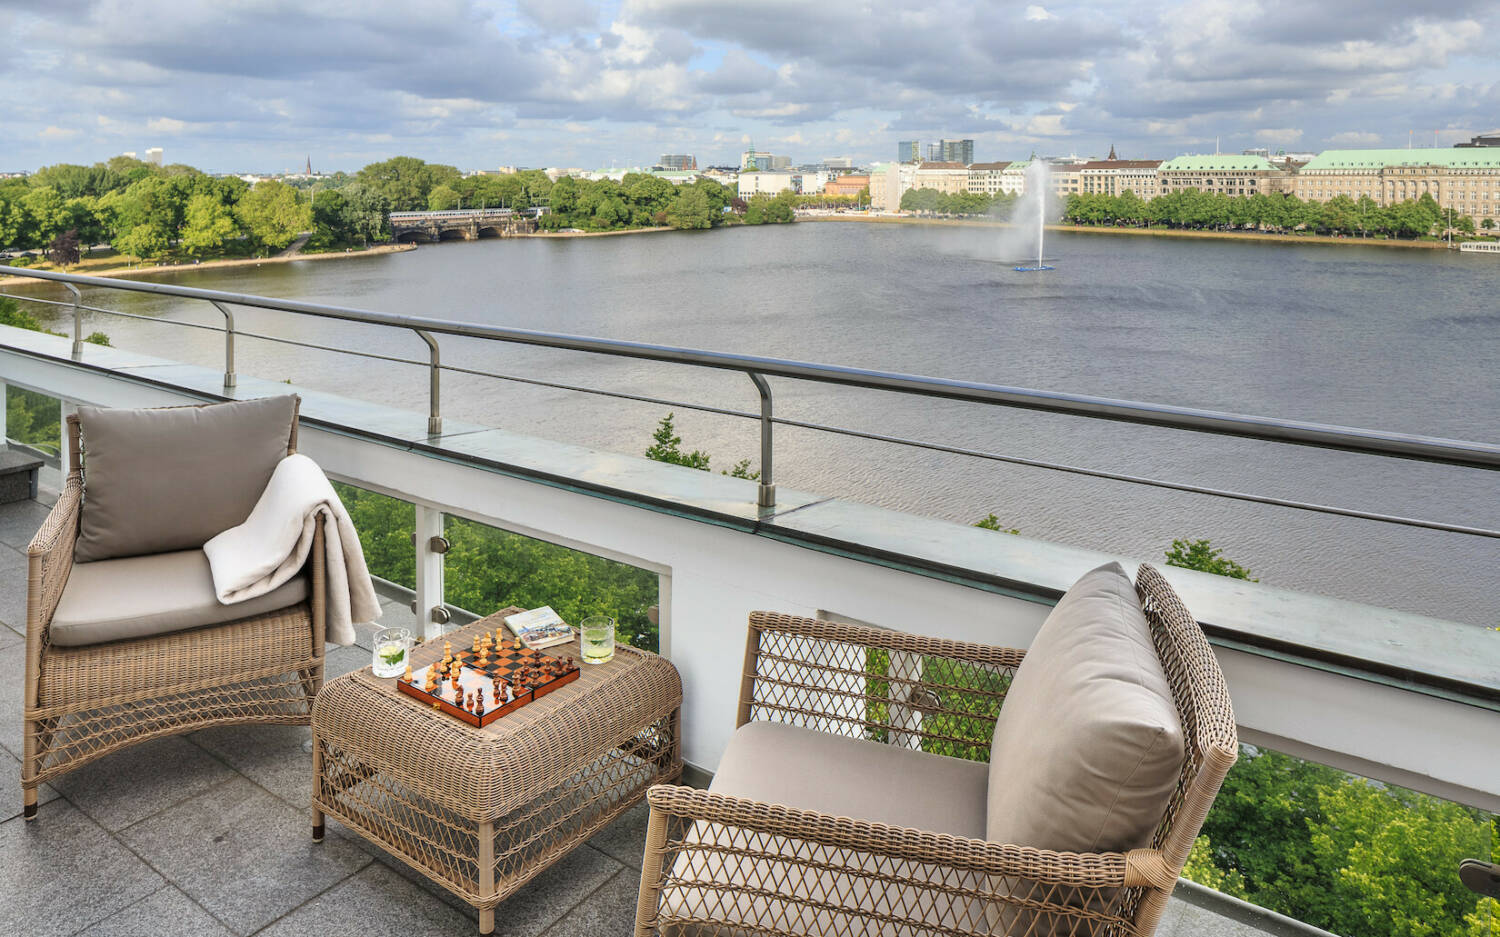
(1464, 179)
(1234, 174)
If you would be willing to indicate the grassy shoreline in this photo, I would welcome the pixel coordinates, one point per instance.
(1146, 232)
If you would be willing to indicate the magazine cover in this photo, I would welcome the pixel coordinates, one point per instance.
(540, 627)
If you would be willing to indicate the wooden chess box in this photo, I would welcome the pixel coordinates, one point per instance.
(528, 673)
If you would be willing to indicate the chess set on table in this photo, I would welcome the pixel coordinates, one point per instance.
(481, 684)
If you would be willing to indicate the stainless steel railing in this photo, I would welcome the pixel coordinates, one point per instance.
(758, 369)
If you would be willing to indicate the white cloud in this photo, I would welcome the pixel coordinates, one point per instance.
(1282, 135)
(53, 132)
(1355, 138)
(165, 125)
(1038, 14)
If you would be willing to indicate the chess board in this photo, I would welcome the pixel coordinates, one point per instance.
(528, 674)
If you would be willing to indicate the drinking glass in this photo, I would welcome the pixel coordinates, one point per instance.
(596, 637)
(391, 647)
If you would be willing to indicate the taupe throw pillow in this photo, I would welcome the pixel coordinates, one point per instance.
(170, 479)
(1088, 746)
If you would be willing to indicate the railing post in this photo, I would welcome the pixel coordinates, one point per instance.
(434, 403)
(77, 327)
(430, 609)
(229, 378)
(4, 415)
(767, 494)
(65, 408)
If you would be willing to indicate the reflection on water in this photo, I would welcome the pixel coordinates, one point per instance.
(1399, 340)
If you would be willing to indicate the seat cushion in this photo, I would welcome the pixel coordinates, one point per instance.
(1088, 746)
(170, 479)
(815, 889)
(142, 596)
(775, 763)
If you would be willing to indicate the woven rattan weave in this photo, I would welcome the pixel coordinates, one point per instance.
(716, 864)
(481, 811)
(85, 702)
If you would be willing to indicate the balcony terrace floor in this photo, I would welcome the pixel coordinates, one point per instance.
(206, 834)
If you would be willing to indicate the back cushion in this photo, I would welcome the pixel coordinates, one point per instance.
(1088, 747)
(170, 479)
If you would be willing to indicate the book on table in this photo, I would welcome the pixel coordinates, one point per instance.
(540, 627)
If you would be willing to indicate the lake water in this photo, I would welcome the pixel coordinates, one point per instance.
(1398, 340)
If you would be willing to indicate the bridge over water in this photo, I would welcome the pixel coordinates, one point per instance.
(469, 224)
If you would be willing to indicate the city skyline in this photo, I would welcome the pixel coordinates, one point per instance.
(479, 85)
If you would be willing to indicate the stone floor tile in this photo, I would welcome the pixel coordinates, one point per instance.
(62, 873)
(374, 903)
(242, 854)
(271, 756)
(625, 839)
(13, 595)
(12, 674)
(11, 766)
(168, 913)
(341, 660)
(132, 784)
(607, 912)
(540, 902)
(19, 521)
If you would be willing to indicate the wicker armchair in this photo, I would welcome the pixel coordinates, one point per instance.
(85, 700)
(721, 864)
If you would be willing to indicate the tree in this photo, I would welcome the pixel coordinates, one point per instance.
(144, 241)
(208, 225)
(442, 198)
(406, 181)
(690, 208)
(992, 522)
(1487, 224)
(273, 214)
(666, 447)
(1200, 555)
(63, 250)
(47, 216)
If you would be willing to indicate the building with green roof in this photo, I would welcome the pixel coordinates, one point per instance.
(1463, 179)
(1235, 174)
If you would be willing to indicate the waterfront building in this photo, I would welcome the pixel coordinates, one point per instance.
(909, 151)
(888, 182)
(1066, 178)
(987, 177)
(677, 161)
(753, 182)
(1464, 179)
(1116, 176)
(946, 177)
(1225, 173)
(1013, 177)
(956, 151)
(846, 184)
(812, 182)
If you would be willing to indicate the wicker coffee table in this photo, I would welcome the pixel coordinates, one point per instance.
(483, 811)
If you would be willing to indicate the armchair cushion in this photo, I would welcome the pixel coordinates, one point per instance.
(142, 596)
(1088, 747)
(162, 480)
(775, 763)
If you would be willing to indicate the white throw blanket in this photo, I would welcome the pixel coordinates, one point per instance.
(273, 543)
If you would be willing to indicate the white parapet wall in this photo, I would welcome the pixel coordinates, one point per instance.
(719, 558)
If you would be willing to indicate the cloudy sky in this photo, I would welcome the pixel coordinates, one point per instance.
(260, 85)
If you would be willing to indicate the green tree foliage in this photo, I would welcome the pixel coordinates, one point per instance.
(405, 181)
(1201, 555)
(957, 204)
(691, 209)
(487, 569)
(443, 198)
(1197, 210)
(32, 418)
(666, 446)
(273, 214)
(992, 522)
(208, 226)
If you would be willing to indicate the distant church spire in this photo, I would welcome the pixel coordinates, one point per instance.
(1112, 155)
(309, 163)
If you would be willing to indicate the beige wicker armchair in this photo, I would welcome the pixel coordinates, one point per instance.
(854, 860)
(139, 651)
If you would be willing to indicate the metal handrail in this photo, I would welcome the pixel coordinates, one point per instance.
(758, 368)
